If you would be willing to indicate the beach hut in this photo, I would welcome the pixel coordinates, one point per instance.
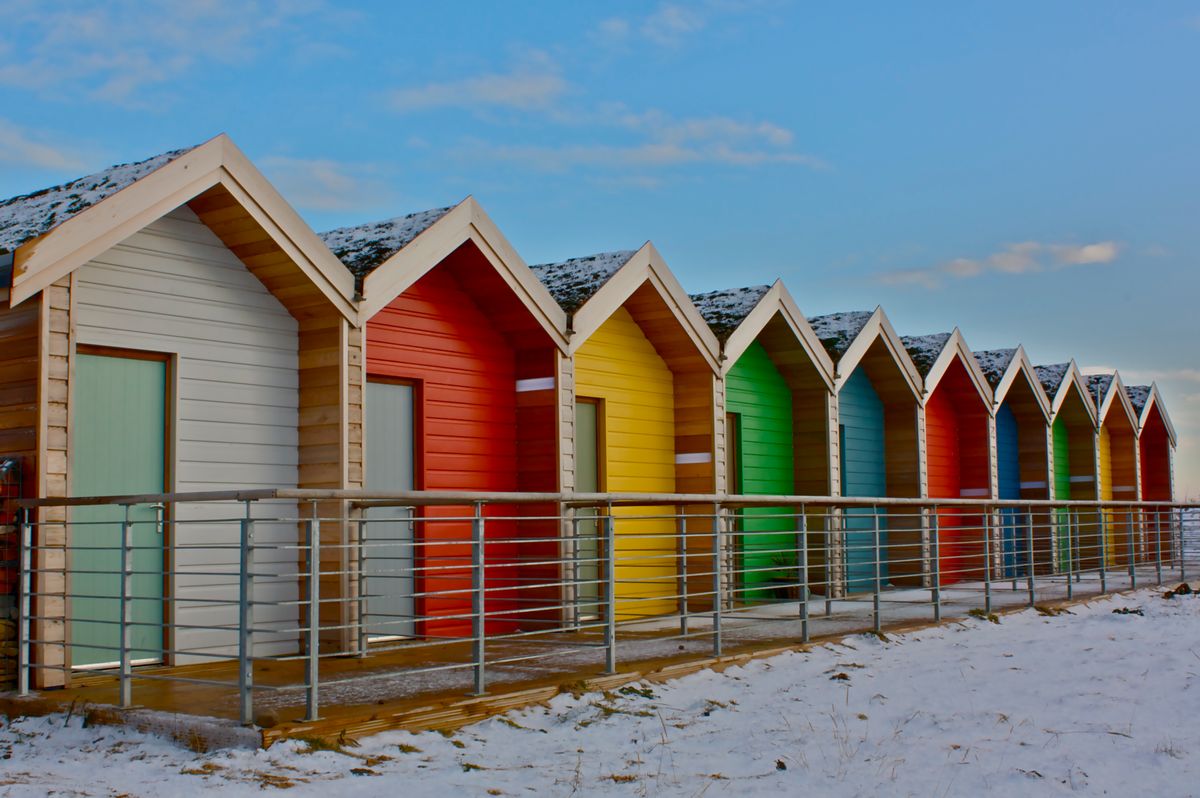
(461, 365)
(778, 382)
(169, 326)
(1156, 448)
(639, 407)
(1022, 453)
(958, 446)
(1117, 464)
(877, 391)
(1073, 466)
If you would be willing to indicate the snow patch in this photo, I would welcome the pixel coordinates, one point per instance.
(28, 216)
(1139, 395)
(924, 349)
(573, 282)
(1099, 384)
(1052, 376)
(726, 309)
(364, 247)
(994, 363)
(837, 331)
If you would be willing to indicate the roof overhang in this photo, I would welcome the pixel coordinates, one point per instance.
(1074, 377)
(1021, 364)
(878, 326)
(1118, 397)
(777, 301)
(646, 267)
(1155, 400)
(42, 261)
(467, 221)
(956, 349)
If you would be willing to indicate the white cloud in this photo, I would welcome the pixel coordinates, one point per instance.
(325, 185)
(117, 51)
(22, 147)
(527, 88)
(671, 23)
(1025, 257)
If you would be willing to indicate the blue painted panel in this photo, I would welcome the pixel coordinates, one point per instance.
(860, 416)
(1008, 461)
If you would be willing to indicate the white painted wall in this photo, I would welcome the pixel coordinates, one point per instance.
(174, 287)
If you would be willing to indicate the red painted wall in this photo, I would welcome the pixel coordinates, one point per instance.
(957, 460)
(465, 362)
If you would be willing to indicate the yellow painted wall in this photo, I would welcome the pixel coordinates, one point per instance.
(1114, 539)
(619, 365)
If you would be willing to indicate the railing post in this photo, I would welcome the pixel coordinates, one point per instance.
(126, 628)
(1103, 552)
(246, 619)
(1031, 560)
(682, 570)
(935, 565)
(312, 672)
(1182, 567)
(360, 582)
(1072, 559)
(987, 563)
(478, 607)
(610, 592)
(718, 591)
(572, 551)
(1158, 560)
(1132, 559)
(878, 581)
(802, 561)
(25, 605)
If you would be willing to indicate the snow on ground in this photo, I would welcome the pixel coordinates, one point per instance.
(1097, 700)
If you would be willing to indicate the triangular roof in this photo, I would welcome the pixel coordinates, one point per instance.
(54, 232)
(933, 354)
(739, 315)
(1108, 390)
(387, 257)
(1145, 397)
(1001, 368)
(574, 281)
(847, 337)
(1057, 380)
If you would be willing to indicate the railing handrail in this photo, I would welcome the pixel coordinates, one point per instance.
(366, 499)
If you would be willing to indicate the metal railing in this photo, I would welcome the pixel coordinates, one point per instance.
(285, 596)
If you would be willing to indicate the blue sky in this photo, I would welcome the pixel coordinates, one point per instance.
(1026, 171)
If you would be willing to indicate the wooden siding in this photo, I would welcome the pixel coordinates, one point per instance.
(621, 367)
(958, 465)
(470, 417)
(1154, 448)
(759, 395)
(174, 287)
(864, 473)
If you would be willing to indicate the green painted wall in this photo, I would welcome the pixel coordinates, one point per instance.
(1062, 487)
(118, 447)
(758, 394)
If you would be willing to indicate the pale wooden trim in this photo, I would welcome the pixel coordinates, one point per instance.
(1021, 364)
(646, 266)
(956, 347)
(466, 221)
(778, 300)
(878, 326)
(1116, 393)
(48, 258)
(1074, 375)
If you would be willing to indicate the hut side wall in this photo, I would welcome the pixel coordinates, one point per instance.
(862, 435)
(619, 366)
(464, 372)
(757, 393)
(174, 287)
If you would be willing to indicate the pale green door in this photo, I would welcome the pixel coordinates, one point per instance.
(118, 446)
(388, 531)
(587, 525)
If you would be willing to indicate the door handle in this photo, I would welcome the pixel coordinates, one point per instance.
(160, 513)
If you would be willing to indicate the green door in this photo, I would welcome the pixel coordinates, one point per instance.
(118, 447)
